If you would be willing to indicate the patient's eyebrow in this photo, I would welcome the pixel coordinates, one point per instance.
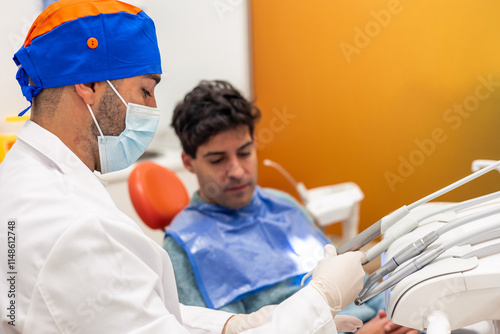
(245, 145)
(213, 153)
(224, 152)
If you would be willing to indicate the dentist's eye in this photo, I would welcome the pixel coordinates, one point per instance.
(146, 93)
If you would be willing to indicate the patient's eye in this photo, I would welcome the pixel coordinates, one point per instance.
(244, 154)
(216, 161)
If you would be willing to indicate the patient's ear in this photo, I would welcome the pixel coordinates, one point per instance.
(187, 160)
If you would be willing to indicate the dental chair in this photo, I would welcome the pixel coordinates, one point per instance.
(157, 194)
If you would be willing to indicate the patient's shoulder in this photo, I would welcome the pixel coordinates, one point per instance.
(281, 194)
(290, 199)
(171, 245)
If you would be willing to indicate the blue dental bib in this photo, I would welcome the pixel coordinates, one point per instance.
(235, 253)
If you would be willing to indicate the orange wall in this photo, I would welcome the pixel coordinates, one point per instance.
(371, 91)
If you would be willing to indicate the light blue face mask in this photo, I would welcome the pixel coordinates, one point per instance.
(119, 152)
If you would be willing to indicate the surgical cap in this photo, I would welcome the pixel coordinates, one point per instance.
(81, 41)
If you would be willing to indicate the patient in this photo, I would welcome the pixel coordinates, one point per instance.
(238, 247)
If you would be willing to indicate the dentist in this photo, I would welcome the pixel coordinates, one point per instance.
(76, 263)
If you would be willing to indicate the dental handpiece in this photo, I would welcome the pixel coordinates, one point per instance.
(410, 251)
(477, 235)
(398, 276)
(419, 246)
(405, 271)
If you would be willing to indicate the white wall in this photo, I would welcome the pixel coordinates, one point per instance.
(15, 20)
(199, 39)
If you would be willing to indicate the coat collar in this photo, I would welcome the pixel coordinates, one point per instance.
(56, 154)
(50, 146)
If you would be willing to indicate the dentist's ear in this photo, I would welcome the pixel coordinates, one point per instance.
(90, 92)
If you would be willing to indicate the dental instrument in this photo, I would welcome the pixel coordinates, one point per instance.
(482, 233)
(409, 223)
(418, 246)
(383, 224)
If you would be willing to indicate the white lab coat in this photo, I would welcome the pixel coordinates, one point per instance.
(82, 266)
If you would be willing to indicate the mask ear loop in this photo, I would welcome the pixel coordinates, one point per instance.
(114, 89)
(95, 121)
(92, 113)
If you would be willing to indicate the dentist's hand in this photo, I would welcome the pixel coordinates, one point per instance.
(339, 278)
(347, 323)
(241, 322)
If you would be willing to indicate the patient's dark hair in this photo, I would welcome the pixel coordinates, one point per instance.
(209, 109)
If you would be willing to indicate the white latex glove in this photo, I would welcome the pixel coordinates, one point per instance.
(338, 278)
(241, 322)
(347, 323)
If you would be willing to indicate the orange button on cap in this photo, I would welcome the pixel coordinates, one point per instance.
(92, 42)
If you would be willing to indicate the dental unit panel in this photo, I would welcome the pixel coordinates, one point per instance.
(462, 285)
(467, 290)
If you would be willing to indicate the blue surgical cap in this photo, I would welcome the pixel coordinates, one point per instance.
(81, 41)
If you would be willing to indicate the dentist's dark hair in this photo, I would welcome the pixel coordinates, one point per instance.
(209, 109)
